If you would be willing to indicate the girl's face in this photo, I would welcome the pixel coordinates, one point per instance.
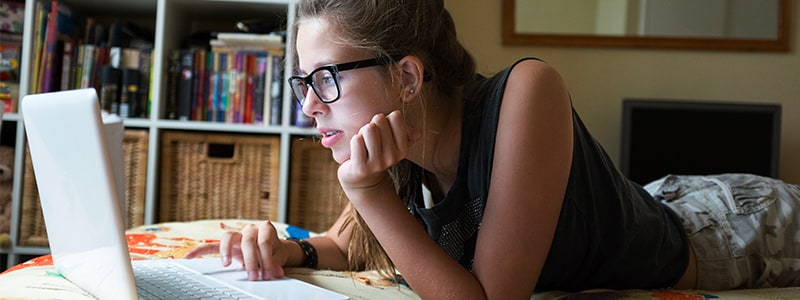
(363, 92)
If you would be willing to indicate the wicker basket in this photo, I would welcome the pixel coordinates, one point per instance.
(135, 144)
(32, 229)
(218, 176)
(315, 199)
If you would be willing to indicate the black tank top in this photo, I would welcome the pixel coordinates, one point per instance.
(610, 233)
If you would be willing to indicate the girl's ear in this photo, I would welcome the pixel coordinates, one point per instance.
(411, 72)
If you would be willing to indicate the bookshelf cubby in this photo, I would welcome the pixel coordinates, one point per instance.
(172, 22)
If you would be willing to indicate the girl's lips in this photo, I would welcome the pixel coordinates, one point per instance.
(330, 137)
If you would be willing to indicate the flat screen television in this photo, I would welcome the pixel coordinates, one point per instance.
(661, 137)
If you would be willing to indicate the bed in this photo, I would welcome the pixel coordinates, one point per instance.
(37, 278)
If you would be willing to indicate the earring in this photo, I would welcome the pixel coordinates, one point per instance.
(410, 91)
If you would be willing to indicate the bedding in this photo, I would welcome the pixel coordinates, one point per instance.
(37, 278)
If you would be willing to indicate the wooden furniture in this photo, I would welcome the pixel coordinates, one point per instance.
(174, 22)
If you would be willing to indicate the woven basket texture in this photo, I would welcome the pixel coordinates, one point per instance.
(218, 176)
(315, 199)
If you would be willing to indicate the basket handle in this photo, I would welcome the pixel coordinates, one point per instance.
(222, 153)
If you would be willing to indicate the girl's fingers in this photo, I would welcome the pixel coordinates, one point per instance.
(358, 151)
(250, 251)
(210, 248)
(227, 244)
(371, 134)
(268, 243)
(399, 132)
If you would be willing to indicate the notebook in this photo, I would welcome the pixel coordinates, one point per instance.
(82, 213)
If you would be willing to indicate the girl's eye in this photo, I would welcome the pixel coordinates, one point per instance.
(328, 80)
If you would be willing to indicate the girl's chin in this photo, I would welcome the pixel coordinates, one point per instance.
(340, 156)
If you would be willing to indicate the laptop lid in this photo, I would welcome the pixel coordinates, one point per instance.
(81, 204)
(77, 191)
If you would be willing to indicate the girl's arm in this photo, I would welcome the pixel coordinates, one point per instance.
(532, 159)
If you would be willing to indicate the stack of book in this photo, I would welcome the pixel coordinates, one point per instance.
(236, 78)
(68, 58)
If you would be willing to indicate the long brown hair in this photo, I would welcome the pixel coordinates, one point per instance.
(385, 28)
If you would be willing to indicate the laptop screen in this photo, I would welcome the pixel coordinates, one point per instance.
(77, 190)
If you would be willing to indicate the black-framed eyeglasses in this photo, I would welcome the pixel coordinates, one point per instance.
(325, 79)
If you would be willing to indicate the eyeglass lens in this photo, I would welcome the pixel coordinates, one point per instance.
(324, 83)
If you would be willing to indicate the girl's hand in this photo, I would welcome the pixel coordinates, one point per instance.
(379, 144)
(256, 246)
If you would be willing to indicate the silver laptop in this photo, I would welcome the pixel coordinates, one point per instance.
(83, 216)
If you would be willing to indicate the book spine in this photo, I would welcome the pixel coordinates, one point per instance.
(200, 85)
(67, 65)
(88, 65)
(173, 79)
(224, 58)
(237, 89)
(40, 26)
(250, 64)
(45, 73)
(213, 86)
(143, 99)
(185, 84)
(276, 90)
(258, 92)
(75, 83)
(128, 99)
(109, 89)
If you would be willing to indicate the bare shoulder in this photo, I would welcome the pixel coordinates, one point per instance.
(533, 77)
(536, 87)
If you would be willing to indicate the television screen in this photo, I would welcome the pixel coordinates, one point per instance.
(661, 137)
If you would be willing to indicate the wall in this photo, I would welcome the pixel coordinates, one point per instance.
(599, 78)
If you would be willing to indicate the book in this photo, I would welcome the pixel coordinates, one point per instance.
(88, 66)
(214, 82)
(249, 92)
(173, 79)
(223, 87)
(101, 57)
(276, 90)
(260, 90)
(109, 89)
(67, 57)
(60, 26)
(41, 14)
(246, 41)
(77, 70)
(129, 93)
(185, 85)
(145, 69)
(236, 88)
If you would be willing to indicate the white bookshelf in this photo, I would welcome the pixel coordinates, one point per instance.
(172, 21)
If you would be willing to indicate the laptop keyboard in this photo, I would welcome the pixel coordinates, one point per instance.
(167, 281)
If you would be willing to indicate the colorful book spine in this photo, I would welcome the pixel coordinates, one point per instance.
(223, 88)
(200, 80)
(213, 87)
(88, 66)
